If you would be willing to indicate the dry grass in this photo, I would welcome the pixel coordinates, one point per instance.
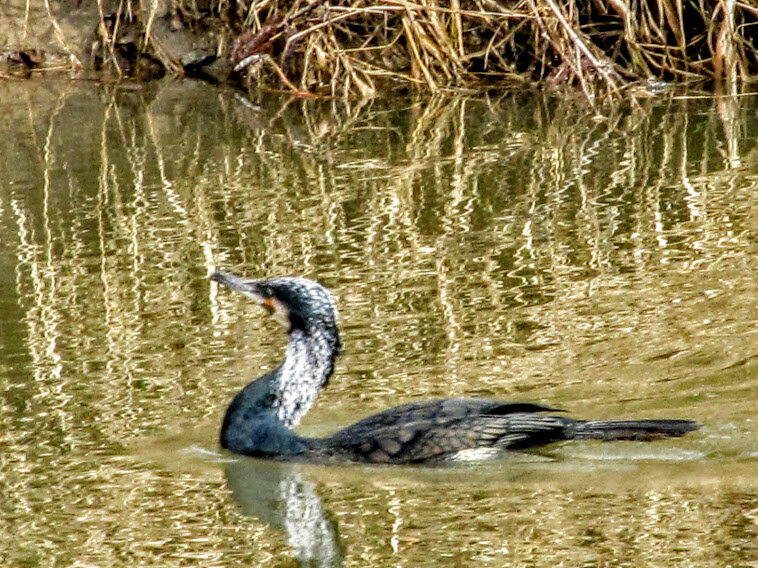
(361, 47)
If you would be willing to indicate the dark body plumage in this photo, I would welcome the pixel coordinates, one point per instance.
(258, 422)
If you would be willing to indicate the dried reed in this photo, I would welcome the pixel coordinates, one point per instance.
(361, 47)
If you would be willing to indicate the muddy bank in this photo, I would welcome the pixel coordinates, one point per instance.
(101, 40)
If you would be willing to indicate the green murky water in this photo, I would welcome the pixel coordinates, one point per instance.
(510, 247)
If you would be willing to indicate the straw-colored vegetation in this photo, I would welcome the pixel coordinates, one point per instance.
(361, 47)
(599, 46)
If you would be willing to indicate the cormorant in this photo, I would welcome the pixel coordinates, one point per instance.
(259, 420)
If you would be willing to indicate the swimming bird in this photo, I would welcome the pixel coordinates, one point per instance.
(259, 420)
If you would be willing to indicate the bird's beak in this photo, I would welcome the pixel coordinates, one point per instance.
(245, 286)
(250, 289)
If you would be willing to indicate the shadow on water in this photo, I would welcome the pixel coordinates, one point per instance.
(289, 498)
(286, 497)
(280, 495)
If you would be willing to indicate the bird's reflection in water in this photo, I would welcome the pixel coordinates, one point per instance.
(279, 494)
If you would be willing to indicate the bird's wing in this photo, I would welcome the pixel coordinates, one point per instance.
(442, 437)
(441, 410)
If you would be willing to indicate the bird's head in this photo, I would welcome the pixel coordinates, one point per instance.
(296, 303)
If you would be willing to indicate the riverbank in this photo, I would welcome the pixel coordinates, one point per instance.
(361, 48)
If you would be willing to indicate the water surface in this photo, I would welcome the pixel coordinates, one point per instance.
(511, 247)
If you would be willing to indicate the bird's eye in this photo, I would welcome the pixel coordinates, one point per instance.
(266, 292)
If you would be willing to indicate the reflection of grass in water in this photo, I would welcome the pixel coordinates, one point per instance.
(474, 248)
(451, 221)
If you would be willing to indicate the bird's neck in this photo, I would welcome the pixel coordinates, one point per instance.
(308, 364)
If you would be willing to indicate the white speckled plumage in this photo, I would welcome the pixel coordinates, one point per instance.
(306, 368)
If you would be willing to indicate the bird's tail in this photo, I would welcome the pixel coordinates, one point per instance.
(632, 429)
